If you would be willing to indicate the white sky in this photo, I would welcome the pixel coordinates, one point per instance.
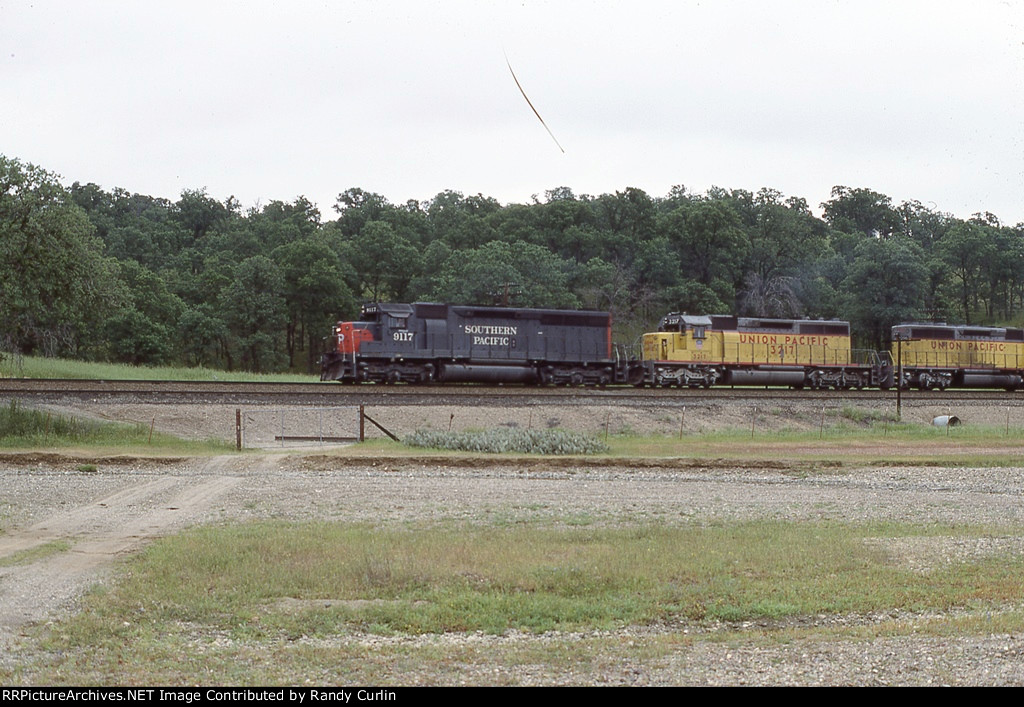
(271, 100)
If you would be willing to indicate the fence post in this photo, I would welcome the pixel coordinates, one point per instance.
(362, 423)
(238, 429)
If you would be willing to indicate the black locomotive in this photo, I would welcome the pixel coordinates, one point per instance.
(428, 342)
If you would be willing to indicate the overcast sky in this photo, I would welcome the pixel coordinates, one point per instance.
(271, 100)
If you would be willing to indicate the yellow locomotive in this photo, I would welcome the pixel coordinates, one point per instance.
(939, 356)
(705, 350)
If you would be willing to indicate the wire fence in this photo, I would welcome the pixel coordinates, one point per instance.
(262, 428)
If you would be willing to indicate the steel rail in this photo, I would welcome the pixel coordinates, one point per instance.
(230, 392)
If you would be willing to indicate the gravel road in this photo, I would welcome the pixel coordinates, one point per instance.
(128, 501)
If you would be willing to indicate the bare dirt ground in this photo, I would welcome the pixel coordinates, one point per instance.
(108, 513)
(263, 424)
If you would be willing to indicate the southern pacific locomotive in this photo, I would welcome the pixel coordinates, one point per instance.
(428, 343)
(424, 342)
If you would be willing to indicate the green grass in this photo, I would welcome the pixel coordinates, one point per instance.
(34, 554)
(56, 368)
(248, 604)
(26, 428)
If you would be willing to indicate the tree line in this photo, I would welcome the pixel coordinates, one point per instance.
(114, 275)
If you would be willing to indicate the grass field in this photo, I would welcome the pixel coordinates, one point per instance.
(277, 603)
(59, 369)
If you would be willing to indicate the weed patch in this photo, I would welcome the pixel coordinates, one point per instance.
(23, 427)
(499, 441)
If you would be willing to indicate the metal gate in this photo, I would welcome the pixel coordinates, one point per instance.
(264, 428)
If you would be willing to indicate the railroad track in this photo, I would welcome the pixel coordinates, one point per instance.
(316, 393)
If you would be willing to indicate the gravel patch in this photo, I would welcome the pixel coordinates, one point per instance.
(127, 501)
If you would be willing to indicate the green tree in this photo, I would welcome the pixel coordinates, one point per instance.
(133, 226)
(143, 329)
(314, 291)
(385, 263)
(55, 284)
(884, 286)
(708, 239)
(519, 273)
(201, 215)
(965, 249)
(256, 314)
(463, 222)
(205, 340)
(861, 211)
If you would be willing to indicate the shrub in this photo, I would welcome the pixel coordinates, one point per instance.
(508, 440)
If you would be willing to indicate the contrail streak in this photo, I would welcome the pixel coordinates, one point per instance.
(531, 105)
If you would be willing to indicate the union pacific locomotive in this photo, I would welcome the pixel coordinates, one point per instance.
(430, 342)
(939, 356)
(709, 350)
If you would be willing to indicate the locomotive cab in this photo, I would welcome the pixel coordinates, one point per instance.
(685, 351)
(347, 337)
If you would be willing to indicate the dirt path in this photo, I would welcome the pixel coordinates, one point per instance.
(98, 531)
